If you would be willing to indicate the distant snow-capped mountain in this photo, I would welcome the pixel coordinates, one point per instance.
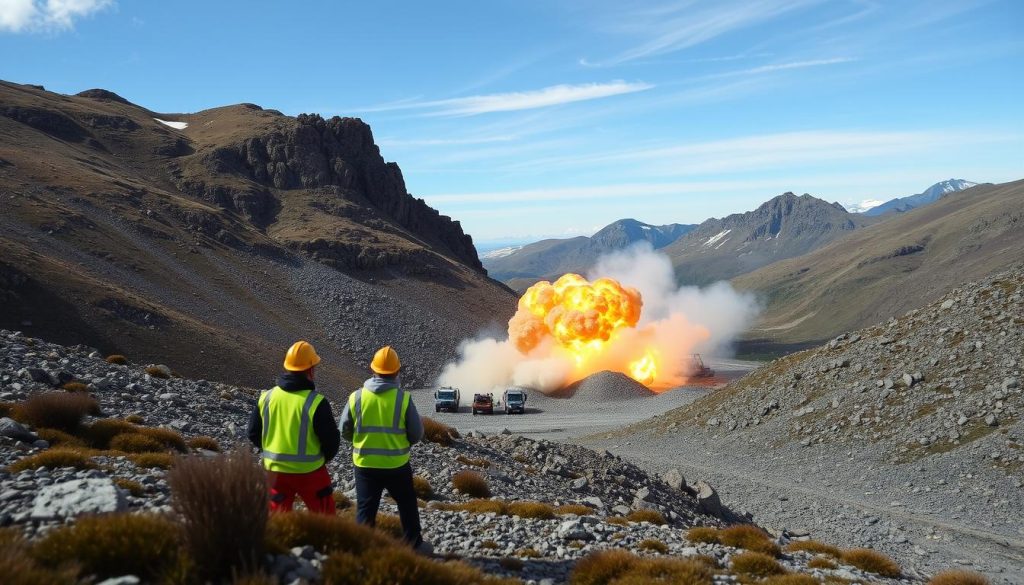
(872, 207)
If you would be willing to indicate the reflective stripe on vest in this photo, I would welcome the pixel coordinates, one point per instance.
(290, 447)
(374, 443)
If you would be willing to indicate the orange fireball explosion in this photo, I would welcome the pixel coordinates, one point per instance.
(582, 318)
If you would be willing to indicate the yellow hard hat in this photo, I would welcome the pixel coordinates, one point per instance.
(300, 357)
(385, 361)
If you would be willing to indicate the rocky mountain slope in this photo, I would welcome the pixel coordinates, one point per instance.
(783, 227)
(551, 504)
(887, 269)
(929, 195)
(906, 436)
(229, 232)
(549, 259)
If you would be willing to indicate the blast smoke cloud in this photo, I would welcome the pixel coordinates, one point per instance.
(675, 321)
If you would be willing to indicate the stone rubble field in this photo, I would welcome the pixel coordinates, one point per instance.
(550, 503)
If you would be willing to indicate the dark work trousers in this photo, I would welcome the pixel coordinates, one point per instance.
(370, 483)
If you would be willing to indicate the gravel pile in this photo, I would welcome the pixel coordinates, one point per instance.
(606, 387)
(515, 468)
(906, 436)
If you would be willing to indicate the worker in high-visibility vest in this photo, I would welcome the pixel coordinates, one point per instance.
(293, 425)
(381, 421)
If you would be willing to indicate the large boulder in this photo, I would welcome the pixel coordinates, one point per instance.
(707, 500)
(14, 430)
(78, 496)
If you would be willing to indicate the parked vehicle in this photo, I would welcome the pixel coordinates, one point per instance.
(483, 403)
(446, 398)
(698, 367)
(515, 400)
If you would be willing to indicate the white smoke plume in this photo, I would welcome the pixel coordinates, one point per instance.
(677, 321)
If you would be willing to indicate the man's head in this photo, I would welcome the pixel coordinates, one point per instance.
(302, 357)
(385, 362)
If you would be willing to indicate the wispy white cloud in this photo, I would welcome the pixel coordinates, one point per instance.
(519, 100)
(679, 25)
(785, 66)
(413, 142)
(46, 15)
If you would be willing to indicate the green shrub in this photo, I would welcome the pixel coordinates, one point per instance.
(703, 534)
(531, 510)
(58, 438)
(117, 359)
(439, 433)
(813, 547)
(131, 486)
(101, 432)
(53, 459)
(871, 561)
(114, 544)
(75, 387)
(398, 565)
(422, 487)
(749, 537)
(153, 460)
(157, 372)
(474, 462)
(136, 443)
(653, 545)
(170, 438)
(959, 577)
(207, 443)
(222, 501)
(57, 410)
(646, 515)
(577, 509)
(756, 564)
(471, 483)
(618, 567)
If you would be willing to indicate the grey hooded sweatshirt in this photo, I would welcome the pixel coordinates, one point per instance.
(413, 423)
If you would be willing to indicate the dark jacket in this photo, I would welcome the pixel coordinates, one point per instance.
(323, 417)
(413, 422)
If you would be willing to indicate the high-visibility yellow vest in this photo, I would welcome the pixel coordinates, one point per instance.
(378, 438)
(289, 443)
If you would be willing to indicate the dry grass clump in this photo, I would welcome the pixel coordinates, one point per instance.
(223, 505)
(511, 564)
(959, 577)
(59, 438)
(422, 487)
(791, 579)
(207, 443)
(617, 520)
(53, 459)
(482, 463)
(398, 565)
(488, 545)
(135, 419)
(325, 533)
(439, 433)
(577, 509)
(749, 537)
(131, 486)
(19, 567)
(136, 443)
(528, 553)
(645, 515)
(821, 563)
(117, 359)
(756, 564)
(871, 561)
(170, 438)
(619, 567)
(704, 534)
(391, 525)
(156, 372)
(75, 387)
(112, 545)
(341, 501)
(153, 460)
(471, 483)
(7, 409)
(653, 545)
(813, 547)
(531, 510)
(101, 432)
(57, 410)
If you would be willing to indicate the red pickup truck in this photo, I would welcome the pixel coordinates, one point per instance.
(483, 403)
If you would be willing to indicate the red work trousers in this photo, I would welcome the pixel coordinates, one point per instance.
(314, 488)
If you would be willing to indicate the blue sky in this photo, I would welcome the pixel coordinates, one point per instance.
(551, 118)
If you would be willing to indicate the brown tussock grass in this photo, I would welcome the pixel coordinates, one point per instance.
(577, 509)
(472, 484)
(54, 458)
(422, 487)
(57, 410)
(437, 432)
(959, 577)
(481, 463)
(645, 515)
(756, 564)
(871, 561)
(203, 442)
(813, 547)
(621, 567)
(703, 534)
(653, 545)
(750, 538)
(117, 359)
